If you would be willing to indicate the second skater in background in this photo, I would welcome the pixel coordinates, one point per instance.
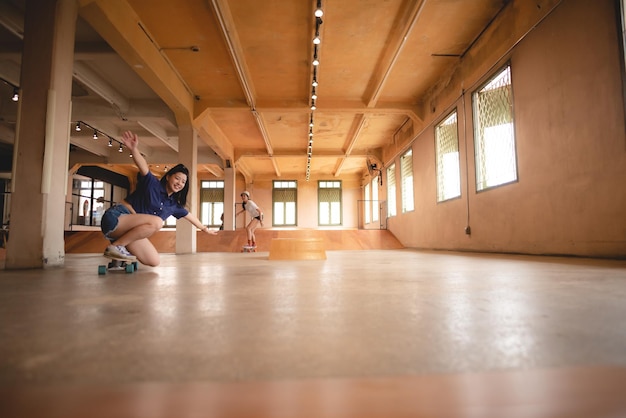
(255, 213)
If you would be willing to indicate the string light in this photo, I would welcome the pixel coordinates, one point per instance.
(97, 133)
(318, 11)
(317, 40)
(16, 90)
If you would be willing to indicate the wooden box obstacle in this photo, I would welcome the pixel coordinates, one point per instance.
(297, 249)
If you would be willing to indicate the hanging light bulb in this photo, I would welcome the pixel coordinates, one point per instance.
(95, 134)
(110, 142)
(318, 11)
(77, 126)
(120, 149)
(16, 95)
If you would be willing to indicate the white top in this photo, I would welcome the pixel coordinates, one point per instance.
(252, 209)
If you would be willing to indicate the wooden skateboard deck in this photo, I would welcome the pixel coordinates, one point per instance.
(248, 249)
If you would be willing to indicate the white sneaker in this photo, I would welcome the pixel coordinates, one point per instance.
(119, 252)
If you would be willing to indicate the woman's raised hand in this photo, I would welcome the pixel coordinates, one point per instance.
(130, 140)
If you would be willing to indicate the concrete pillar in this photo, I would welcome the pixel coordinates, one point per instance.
(188, 154)
(229, 198)
(41, 149)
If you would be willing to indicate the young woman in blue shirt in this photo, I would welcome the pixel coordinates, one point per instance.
(129, 223)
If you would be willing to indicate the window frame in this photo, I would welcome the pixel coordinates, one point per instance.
(392, 202)
(320, 210)
(405, 190)
(212, 203)
(291, 185)
(440, 163)
(481, 184)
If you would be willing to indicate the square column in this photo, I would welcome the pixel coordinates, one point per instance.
(41, 150)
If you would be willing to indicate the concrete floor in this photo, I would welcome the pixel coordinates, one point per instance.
(400, 321)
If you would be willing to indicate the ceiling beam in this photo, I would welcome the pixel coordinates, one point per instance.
(121, 28)
(159, 133)
(276, 167)
(213, 136)
(88, 109)
(214, 169)
(296, 154)
(243, 168)
(229, 31)
(233, 44)
(101, 87)
(399, 37)
(12, 19)
(357, 127)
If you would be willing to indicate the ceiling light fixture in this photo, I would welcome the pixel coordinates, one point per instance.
(16, 90)
(318, 11)
(317, 40)
(96, 132)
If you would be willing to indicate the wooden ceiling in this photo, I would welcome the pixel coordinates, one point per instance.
(240, 72)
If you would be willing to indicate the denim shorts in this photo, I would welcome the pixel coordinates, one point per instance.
(110, 219)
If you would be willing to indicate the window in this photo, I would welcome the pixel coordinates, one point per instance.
(447, 154)
(494, 134)
(375, 204)
(367, 203)
(90, 198)
(211, 202)
(329, 202)
(406, 174)
(391, 190)
(284, 196)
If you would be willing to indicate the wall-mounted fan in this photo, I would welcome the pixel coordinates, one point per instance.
(374, 170)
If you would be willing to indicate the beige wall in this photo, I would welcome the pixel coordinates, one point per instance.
(571, 147)
(261, 193)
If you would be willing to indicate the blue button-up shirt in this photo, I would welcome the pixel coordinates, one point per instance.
(150, 197)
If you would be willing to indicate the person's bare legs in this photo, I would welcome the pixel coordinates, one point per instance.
(145, 252)
(252, 226)
(132, 231)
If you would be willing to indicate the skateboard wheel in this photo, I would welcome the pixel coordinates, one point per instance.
(129, 268)
(135, 265)
(102, 270)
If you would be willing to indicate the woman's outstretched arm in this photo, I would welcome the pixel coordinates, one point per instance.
(131, 142)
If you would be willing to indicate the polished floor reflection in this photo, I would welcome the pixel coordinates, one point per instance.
(380, 328)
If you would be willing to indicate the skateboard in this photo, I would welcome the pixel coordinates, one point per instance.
(117, 265)
(248, 249)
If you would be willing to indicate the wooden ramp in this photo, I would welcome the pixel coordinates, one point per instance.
(232, 241)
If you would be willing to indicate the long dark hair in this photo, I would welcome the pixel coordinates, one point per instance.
(181, 197)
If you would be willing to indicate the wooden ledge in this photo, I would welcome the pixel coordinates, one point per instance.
(297, 249)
